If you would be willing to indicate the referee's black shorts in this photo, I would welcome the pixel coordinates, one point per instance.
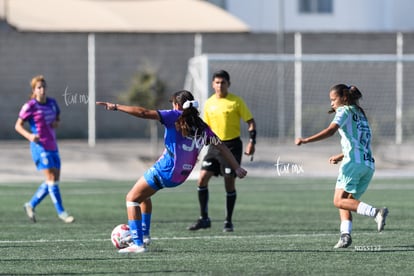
(214, 162)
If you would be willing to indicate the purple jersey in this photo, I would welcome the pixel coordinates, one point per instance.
(180, 155)
(40, 118)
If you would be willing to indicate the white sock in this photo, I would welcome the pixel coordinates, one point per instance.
(366, 210)
(346, 227)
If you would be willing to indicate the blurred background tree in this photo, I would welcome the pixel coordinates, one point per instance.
(146, 89)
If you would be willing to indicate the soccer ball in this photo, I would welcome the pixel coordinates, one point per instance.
(121, 236)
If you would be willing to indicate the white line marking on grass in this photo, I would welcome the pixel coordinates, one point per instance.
(177, 238)
(54, 241)
(298, 235)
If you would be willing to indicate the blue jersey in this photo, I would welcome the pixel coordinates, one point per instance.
(180, 154)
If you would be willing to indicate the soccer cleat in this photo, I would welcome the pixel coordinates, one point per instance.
(133, 249)
(201, 223)
(380, 217)
(30, 211)
(66, 218)
(344, 241)
(147, 240)
(228, 226)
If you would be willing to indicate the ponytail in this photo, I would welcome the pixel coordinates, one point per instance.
(354, 96)
(189, 123)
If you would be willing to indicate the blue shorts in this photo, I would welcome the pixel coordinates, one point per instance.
(354, 178)
(157, 182)
(44, 159)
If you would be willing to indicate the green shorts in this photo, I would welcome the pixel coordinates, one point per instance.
(354, 178)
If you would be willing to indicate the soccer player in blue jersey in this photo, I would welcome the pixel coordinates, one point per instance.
(185, 135)
(42, 114)
(358, 165)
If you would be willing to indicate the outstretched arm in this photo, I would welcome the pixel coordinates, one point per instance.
(137, 111)
(327, 132)
(230, 158)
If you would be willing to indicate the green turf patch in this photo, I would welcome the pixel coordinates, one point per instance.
(283, 226)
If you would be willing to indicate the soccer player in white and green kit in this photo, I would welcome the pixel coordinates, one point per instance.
(358, 164)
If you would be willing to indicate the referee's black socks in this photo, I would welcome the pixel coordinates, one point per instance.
(203, 199)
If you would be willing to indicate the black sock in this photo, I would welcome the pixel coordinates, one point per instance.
(230, 202)
(203, 200)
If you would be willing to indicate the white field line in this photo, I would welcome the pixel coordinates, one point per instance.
(182, 238)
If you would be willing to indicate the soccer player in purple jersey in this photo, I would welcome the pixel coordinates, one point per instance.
(185, 135)
(42, 114)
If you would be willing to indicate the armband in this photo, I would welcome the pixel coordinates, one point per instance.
(252, 134)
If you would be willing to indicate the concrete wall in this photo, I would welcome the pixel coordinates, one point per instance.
(62, 59)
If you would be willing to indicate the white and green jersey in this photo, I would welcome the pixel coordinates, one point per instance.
(355, 135)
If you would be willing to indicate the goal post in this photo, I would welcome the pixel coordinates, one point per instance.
(306, 81)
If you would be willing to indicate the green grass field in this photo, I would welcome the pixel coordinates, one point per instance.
(283, 226)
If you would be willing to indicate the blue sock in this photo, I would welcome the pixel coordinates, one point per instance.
(135, 226)
(40, 194)
(56, 198)
(146, 224)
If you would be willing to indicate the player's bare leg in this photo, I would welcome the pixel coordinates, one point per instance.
(139, 195)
